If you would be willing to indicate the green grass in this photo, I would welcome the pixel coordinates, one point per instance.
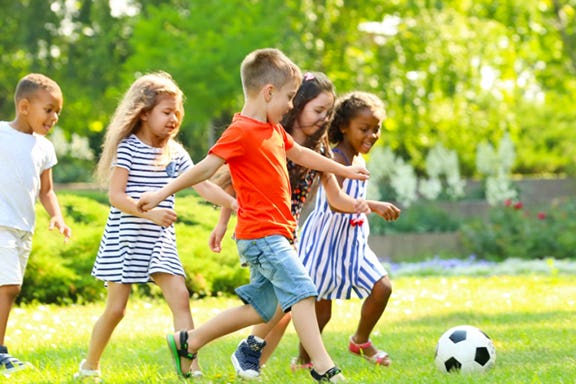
(530, 319)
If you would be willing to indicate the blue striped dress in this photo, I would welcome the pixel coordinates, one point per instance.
(133, 248)
(334, 248)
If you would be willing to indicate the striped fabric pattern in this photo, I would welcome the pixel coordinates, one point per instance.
(133, 248)
(335, 252)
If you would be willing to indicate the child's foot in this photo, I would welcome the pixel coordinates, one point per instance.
(180, 353)
(195, 370)
(246, 358)
(333, 375)
(8, 363)
(369, 352)
(296, 364)
(92, 374)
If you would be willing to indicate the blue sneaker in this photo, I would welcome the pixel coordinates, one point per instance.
(246, 358)
(9, 364)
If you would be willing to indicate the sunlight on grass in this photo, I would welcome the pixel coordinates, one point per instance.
(529, 318)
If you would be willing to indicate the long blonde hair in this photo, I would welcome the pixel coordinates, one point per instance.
(141, 97)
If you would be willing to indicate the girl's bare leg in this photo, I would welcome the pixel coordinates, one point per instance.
(274, 335)
(114, 312)
(372, 309)
(177, 297)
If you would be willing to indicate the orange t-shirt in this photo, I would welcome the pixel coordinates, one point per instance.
(256, 154)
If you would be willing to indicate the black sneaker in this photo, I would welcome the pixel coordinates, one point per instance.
(246, 358)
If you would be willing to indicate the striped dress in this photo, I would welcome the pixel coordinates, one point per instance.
(334, 248)
(133, 248)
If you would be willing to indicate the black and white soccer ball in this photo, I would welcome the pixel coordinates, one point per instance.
(465, 349)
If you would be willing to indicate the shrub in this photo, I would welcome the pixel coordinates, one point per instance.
(60, 273)
(512, 230)
(421, 217)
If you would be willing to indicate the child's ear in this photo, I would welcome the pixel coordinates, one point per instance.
(23, 106)
(267, 91)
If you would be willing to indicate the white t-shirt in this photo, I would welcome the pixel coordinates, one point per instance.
(23, 158)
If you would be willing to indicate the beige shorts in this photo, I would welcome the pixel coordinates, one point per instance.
(15, 247)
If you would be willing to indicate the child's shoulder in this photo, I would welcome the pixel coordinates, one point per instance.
(132, 142)
(177, 149)
(5, 126)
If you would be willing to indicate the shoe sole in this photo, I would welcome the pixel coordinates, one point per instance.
(241, 373)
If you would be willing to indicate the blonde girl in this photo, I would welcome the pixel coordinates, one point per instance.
(140, 154)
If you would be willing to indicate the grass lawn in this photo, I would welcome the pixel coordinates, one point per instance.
(531, 320)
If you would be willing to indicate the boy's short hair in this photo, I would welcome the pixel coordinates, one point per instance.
(267, 66)
(32, 83)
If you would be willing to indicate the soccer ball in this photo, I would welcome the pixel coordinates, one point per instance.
(466, 349)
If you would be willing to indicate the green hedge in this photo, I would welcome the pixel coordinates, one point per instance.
(60, 273)
(513, 230)
(420, 217)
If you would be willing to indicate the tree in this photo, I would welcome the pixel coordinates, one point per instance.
(202, 45)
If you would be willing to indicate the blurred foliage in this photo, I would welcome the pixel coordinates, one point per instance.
(451, 72)
(515, 231)
(422, 217)
(60, 273)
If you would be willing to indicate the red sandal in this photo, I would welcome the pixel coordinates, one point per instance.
(379, 358)
(296, 366)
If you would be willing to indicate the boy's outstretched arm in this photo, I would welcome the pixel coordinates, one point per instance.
(49, 201)
(310, 159)
(216, 195)
(194, 175)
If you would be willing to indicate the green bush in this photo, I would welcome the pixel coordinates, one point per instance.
(512, 230)
(420, 217)
(60, 273)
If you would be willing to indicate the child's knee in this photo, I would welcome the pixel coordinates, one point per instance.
(383, 288)
(10, 292)
(116, 313)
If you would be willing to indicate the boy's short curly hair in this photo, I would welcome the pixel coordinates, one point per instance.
(267, 66)
(348, 107)
(32, 83)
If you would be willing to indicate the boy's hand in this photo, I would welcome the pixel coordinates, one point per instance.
(164, 217)
(361, 206)
(387, 210)
(215, 239)
(58, 222)
(147, 201)
(357, 172)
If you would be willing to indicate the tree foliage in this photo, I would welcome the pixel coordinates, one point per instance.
(451, 72)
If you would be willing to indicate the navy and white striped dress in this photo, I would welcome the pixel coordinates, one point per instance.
(334, 248)
(133, 248)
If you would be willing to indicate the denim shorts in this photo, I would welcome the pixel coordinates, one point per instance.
(276, 275)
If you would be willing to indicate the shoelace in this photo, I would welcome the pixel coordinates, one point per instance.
(252, 355)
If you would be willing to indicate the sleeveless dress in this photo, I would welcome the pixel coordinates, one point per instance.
(334, 248)
(133, 248)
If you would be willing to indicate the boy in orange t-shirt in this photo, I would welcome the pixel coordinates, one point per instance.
(255, 146)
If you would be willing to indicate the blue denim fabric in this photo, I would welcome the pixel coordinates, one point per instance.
(276, 275)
